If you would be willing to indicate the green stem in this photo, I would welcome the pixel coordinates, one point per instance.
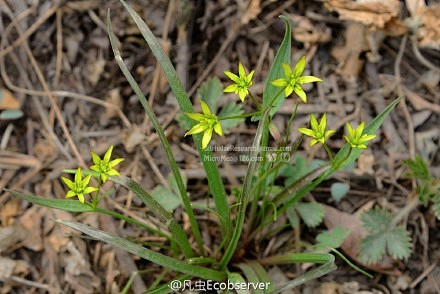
(245, 196)
(275, 97)
(255, 101)
(240, 116)
(329, 152)
(95, 199)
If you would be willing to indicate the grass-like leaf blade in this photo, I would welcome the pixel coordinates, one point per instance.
(212, 173)
(153, 256)
(62, 204)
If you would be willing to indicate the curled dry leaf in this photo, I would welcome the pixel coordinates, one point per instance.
(425, 21)
(375, 14)
(306, 32)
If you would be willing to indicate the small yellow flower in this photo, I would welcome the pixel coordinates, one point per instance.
(104, 166)
(207, 123)
(242, 82)
(79, 187)
(294, 80)
(318, 131)
(355, 137)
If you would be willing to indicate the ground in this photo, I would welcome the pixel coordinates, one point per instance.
(64, 95)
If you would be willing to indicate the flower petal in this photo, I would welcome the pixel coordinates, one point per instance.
(349, 129)
(299, 67)
(307, 132)
(323, 124)
(68, 182)
(108, 154)
(95, 158)
(242, 94)
(280, 83)
(313, 142)
(205, 108)
(218, 129)
(314, 123)
(288, 91)
(89, 190)
(70, 193)
(232, 76)
(81, 198)
(308, 79)
(249, 78)
(113, 172)
(231, 89)
(366, 137)
(195, 116)
(78, 175)
(198, 128)
(115, 162)
(206, 137)
(287, 70)
(300, 92)
(241, 71)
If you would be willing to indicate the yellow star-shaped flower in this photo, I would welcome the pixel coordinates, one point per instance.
(293, 80)
(104, 166)
(242, 82)
(78, 187)
(207, 123)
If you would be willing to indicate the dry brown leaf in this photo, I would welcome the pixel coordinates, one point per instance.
(11, 236)
(8, 101)
(9, 210)
(373, 13)
(334, 217)
(113, 97)
(348, 55)
(306, 32)
(31, 220)
(9, 267)
(132, 137)
(77, 271)
(95, 68)
(425, 20)
(252, 11)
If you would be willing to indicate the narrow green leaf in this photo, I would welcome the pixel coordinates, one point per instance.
(163, 215)
(62, 204)
(237, 279)
(246, 193)
(276, 70)
(250, 275)
(262, 274)
(153, 256)
(212, 173)
(163, 139)
(326, 260)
